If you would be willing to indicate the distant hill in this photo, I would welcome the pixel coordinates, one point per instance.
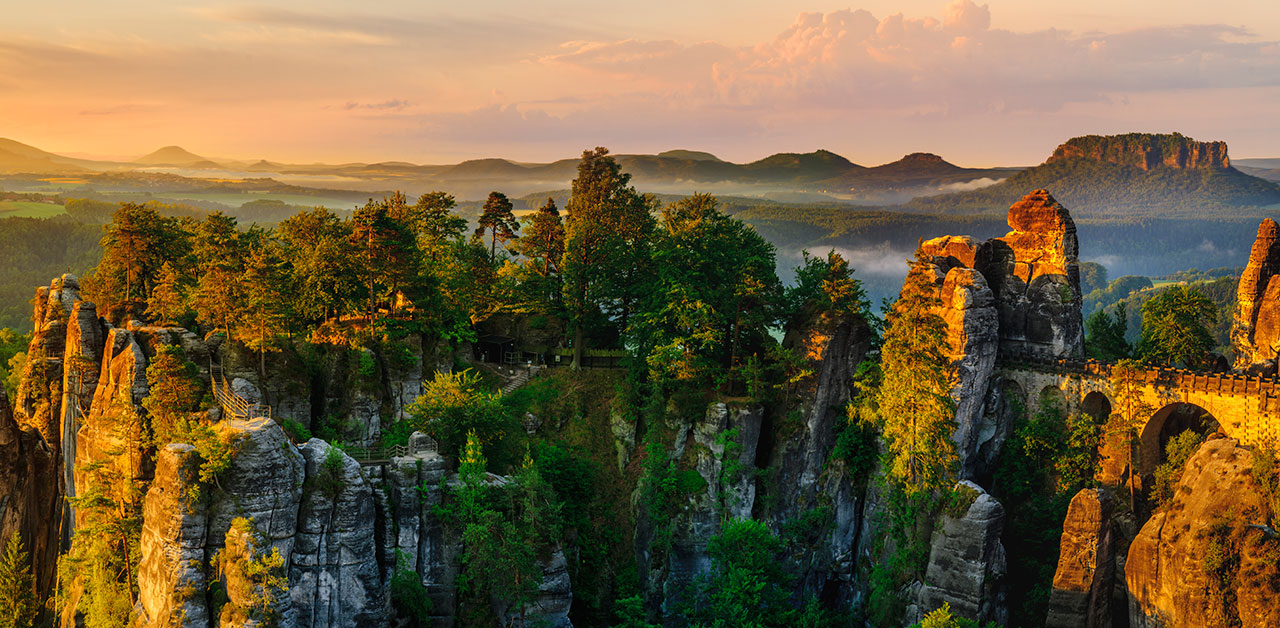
(692, 155)
(175, 156)
(1122, 177)
(16, 157)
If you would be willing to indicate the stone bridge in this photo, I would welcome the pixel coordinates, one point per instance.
(1246, 407)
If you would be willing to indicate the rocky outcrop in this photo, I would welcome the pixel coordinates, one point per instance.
(263, 483)
(967, 561)
(1200, 562)
(550, 607)
(721, 447)
(967, 305)
(171, 576)
(1082, 585)
(334, 577)
(808, 478)
(30, 494)
(1255, 330)
(109, 434)
(1035, 274)
(38, 400)
(1145, 151)
(414, 489)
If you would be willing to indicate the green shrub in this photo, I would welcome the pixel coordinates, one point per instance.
(408, 596)
(296, 431)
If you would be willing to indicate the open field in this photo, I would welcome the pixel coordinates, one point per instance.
(27, 209)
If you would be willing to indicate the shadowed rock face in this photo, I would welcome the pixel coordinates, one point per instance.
(1255, 331)
(1082, 585)
(967, 561)
(1167, 571)
(30, 494)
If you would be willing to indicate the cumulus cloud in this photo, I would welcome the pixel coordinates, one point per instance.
(852, 60)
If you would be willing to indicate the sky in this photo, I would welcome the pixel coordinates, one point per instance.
(426, 81)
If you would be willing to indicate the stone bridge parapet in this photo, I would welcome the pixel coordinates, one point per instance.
(1246, 407)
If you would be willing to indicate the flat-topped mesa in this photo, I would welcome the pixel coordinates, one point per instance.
(1255, 332)
(1145, 151)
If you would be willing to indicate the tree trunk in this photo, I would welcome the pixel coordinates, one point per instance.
(579, 339)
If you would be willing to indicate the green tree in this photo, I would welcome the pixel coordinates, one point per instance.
(713, 294)
(218, 251)
(454, 405)
(543, 245)
(826, 285)
(264, 314)
(134, 247)
(607, 227)
(167, 304)
(1178, 450)
(1105, 335)
(320, 260)
(384, 249)
(435, 223)
(497, 219)
(914, 403)
(1128, 380)
(18, 605)
(502, 527)
(1175, 327)
(172, 394)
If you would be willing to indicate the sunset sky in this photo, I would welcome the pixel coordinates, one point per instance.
(436, 82)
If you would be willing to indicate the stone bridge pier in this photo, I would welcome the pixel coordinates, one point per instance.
(1245, 407)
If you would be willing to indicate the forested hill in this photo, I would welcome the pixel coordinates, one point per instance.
(1125, 176)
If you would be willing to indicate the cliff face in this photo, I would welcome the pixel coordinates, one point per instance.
(1201, 562)
(1083, 583)
(1146, 151)
(1014, 294)
(808, 477)
(1255, 331)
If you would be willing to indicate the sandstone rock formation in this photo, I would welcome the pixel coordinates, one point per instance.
(1035, 274)
(1146, 151)
(1255, 331)
(334, 577)
(967, 560)
(30, 494)
(1179, 559)
(172, 574)
(1082, 586)
(1019, 293)
(807, 475)
(414, 487)
(968, 307)
(722, 449)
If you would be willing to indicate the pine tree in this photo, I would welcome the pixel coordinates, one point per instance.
(607, 229)
(385, 251)
(263, 315)
(914, 400)
(544, 239)
(17, 586)
(1128, 378)
(498, 219)
(167, 303)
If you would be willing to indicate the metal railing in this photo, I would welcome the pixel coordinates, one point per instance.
(378, 454)
(233, 405)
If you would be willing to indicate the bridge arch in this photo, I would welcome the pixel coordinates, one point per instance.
(1052, 395)
(1096, 405)
(1167, 422)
